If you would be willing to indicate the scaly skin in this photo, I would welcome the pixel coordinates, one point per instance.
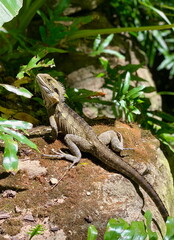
(79, 135)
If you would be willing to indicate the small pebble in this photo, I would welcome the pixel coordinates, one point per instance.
(17, 209)
(53, 181)
(29, 217)
(9, 194)
(54, 228)
(88, 219)
(4, 215)
(88, 193)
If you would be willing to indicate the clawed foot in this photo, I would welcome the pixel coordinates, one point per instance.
(58, 154)
(61, 155)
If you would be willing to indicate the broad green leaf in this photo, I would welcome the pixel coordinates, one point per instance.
(15, 124)
(92, 233)
(106, 42)
(135, 95)
(19, 91)
(114, 229)
(170, 229)
(126, 83)
(9, 9)
(127, 234)
(21, 138)
(10, 159)
(97, 42)
(149, 89)
(134, 91)
(136, 111)
(151, 235)
(139, 230)
(113, 52)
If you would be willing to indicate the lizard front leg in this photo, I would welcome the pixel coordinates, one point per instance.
(113, 138)
(75, 144)
(55, 131)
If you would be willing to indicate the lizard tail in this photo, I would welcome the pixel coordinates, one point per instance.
(109, 158)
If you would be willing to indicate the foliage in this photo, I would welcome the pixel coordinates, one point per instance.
(8, 133)
(9, 11)
(153, 42)
(131, 102)
(100, 47)
(120, 229)
(39, 229)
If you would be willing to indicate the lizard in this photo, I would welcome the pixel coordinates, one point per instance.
(79, 136)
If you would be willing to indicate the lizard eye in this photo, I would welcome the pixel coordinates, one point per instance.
(56, 90)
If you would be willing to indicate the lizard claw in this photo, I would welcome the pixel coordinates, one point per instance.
(57, 152)
(57, 155)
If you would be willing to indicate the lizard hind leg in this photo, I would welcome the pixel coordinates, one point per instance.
(113, 138)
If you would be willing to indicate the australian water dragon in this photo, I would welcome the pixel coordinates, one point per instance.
(79, 136)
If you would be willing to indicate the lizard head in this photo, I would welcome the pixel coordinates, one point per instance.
(52, 90)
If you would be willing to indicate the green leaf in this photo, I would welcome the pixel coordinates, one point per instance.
(126, 83)
(104, 62)
(136, 111)
(160, 39)
(166, 127)
(15, 124)
(95, 32)
(139, 230)
(131, 67)
(133, 93)
(92, 233)
(113, 52)
(149, 89)
(97, 42)
(165, 116)
(166, 93)
(9, 9)
(21, 138)
(170, 229)
(106, 42)
(114, 229)
(151, 235)
(160, 13)
(10, 159)
(38, 61)
(19, 91)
